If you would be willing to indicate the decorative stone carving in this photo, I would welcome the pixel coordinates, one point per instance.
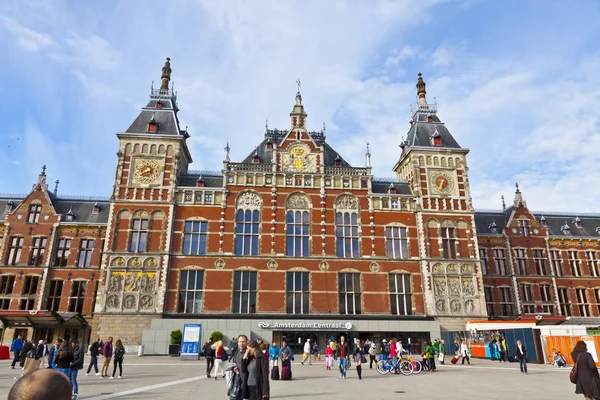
(299, 159)
(346, 202)
(455, 306)
(298, 202)
(438, 269)
(118, 262)
(440, 305)
(116, 282)
(468, 288)
(469, 306)
(113, 301)
(324, 266)
(452, 269)
(249, 201)
(272, 265)
(439, 286)
(454, 287)
(219, 263)
(129, 302)
(150, 263)
(146, 302)
(466, 269)
(374, 267)
(134, 262)
(148, 282)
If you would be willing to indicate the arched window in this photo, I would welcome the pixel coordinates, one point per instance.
(248, 224)
(298, 226)
(396, 243)
(194, 237)
(346, 226)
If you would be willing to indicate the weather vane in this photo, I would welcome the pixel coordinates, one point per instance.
(298, 83)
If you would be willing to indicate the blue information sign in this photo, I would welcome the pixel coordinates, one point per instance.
(190, 345)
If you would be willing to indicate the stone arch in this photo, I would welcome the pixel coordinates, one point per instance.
(153, 149)
(145, 148)
(443, 161)
(349, 270)
(432, 223)
(347, 202)
(169, 150)
(446, 223)
(450, 162)
(249, 200)
(436, 161)
(136, 148)
(161, 149)
(298, 201)
(128, 148)
(421, 161)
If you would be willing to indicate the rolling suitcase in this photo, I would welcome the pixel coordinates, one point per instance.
(286, 373)
(275, 373)
(454, 360)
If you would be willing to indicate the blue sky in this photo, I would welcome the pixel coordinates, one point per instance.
(516, 82)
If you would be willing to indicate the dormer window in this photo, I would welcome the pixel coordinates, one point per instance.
(577, 222)
(200, 182)
(269, 144)
(158, 104)
(524, 227)
(566, 229)
(598, 230)
(10, 206)
(70, 214)
(543, 222)
(96, 208)
(391, 189)
(436, 138)
(493, 227)
(429, 118)
(152, 125)
(255, 158)
(338, 161)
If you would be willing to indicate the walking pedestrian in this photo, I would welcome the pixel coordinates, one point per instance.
(588, 380)
(344, 352)
(64, 359)
(256, 368)
(16, 347)
(456, 347)
(328, 357)
(464, 353)
(119, 354)
(334, 347)
(76, 365)
(52, 353)
(43, 360)
(521, 354)
(393, 350)
(107, 352)
(209, 354)
(441, 351)
(287, 356)
(233, 345)
(26, 352)
(94, 353)
(430, 353)
(372, 355)
(274, 355)
(358, 361)
(306, 353)
(219, 350)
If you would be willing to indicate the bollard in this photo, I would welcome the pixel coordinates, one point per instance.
(140, 350)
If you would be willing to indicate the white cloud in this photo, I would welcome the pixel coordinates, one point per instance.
(27, 39)
(93, 52)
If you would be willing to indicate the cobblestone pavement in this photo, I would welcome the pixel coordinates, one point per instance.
(169, 378)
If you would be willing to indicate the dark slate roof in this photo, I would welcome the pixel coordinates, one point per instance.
(421, 132)
(81, 207)
(402, 188)
(483, 220)
(166, 119)
(210, 180)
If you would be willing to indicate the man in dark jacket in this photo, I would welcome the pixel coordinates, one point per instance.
(209, 353)
(344, 355)
(238, 359)
(76, 365)
(16, 347)
(94, 352)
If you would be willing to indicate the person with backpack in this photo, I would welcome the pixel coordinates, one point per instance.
(334, 347)
(209, 354)
(16, 347)
(430, 354)
(118, 355)
(94, 353)
(221, 356)
(76, 365)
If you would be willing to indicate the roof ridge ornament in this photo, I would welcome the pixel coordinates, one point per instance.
(166, 75)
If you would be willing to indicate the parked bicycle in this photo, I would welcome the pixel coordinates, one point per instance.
(386, 365)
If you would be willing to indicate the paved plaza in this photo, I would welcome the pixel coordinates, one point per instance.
(169, 378)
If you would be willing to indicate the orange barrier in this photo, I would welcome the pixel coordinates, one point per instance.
(478, 350)
(565, 345)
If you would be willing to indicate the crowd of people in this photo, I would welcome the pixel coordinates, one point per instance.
(66, 357)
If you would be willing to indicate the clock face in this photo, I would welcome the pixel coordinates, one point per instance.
(441, 182)
(147, 171)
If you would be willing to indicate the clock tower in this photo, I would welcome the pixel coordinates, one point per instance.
(435, 166)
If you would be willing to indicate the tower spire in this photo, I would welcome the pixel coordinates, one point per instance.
(421, 90)
(298, 115)
(166, 75)
(368, 157)
(56, 187)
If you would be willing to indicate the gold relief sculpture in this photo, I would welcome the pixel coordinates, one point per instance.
(118, 262)
(138, 281)
(150, 262)
(134, 262)
(452, 269)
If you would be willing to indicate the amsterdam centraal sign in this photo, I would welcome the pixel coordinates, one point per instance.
(305, 325)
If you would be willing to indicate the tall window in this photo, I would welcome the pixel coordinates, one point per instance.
(54, 294)
(298, 225)
(521, 261)
(526, 298)
(14, 250)
(7, 283)
(565, 302)
(593, 261)
(582, 303)
(38, 249)
(62, 252)
(448, 243)
(545, 294)
(246, 236)
(138, 236)
(85, 253)
(524, 227)
(483, 256)
(77, 296)
(574, 263)
(34, 213)
(400, 294)
(396, 243)
(244, 292)
(489, 300)
(5, 304)
(191, 291)
(597, 293)
(346, 233)
(297, 292)
(29, 290)
(556, 260)
(194, 237)
(506, 302)
(500, 261)
(540, 262)
(349, 292)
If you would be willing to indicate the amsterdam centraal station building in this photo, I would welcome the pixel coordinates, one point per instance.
(290, 242)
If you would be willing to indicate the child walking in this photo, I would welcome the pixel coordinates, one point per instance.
(328, 357)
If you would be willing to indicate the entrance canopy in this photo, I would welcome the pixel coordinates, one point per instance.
(41, 319)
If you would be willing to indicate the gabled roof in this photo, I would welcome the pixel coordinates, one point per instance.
(419, 135)
(81, 207)
(211, 179)
(382, 186)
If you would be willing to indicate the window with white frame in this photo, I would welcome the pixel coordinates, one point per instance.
(400, 294)
(297, 292)
(396, 243)
(489, 300)
(248, 224)
(139, 235)
(521, 261)
(506, 301)
(29, 292)
(593, 263)
(54, 295)
(574, 262)
(194, 237)
(546, 296)
(35, 210)
(597, 294)
(500, 261)
(37, 251)
(298, 225)
(556, 261)
(346, 232)
(15, 246)
(582, 302)
(540, 262)
(86, 248)
(191, 291)
(483, 256)
(349, 293)
(244, 292)
(527, 299)
(7, 283)
(564, 301)
(61, 258)
(448, 243)
(77, 296)
(525, 227)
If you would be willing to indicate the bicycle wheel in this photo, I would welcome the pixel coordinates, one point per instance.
(382, 367)
(406, 368)
(417, 366)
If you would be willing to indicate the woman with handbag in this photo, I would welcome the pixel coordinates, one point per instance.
(585, 372)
